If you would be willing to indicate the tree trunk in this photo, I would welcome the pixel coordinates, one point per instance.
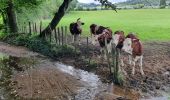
(11, 16)
(56, 19)
(162, 3)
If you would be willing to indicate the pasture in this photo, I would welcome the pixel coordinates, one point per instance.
(149, 24)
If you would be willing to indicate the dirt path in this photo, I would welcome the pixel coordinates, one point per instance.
(38, 77)
(42, 80)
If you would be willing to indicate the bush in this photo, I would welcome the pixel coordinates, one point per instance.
(40, 45)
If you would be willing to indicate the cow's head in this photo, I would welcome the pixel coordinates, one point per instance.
(79, 23)
(127, 45)
(94, 36)
(118, 38)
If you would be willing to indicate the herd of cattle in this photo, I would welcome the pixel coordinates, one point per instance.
(103, 35)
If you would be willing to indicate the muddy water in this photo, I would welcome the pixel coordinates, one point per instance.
(91, 82)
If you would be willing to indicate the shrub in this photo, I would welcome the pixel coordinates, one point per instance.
(40, 45)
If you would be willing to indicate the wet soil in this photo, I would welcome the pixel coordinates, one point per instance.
(44, 80)
(156, 66)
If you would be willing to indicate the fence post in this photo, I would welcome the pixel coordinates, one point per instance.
(24, 28)
(62, 35)
(87, 46)
(65, 34)
(58, 35)
(30, 28)
(107, 55)
(35, 28)
(55, 34)
(51, 37)
(40, 27)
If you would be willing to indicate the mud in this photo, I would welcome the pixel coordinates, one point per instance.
(37, 77)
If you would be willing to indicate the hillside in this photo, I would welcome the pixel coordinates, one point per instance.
(145, 2)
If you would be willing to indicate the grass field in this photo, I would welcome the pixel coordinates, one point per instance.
(149, 24)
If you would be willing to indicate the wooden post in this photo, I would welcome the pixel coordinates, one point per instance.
(55, 33)
(24, 28)
(62, 35)
(40, 27)
(58, 35)
(30, 28)
(87, 47)
(107, 54)
(51, 37)
(65, 34)
(35, 28)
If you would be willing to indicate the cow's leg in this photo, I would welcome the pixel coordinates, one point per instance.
(105, 51)
(130, 59)
(109, 47)
(79, 38)
(122, 63)
(73, 38)
(140, 64)
(134, 61)
(133, 67)
(102, 53)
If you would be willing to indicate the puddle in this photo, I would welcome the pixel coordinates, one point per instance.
(93, 86)
(91, 82)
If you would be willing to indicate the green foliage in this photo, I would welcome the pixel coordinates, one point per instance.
(40, 45)
(138, 6)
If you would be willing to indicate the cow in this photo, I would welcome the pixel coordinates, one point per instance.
(99, 34)
(76, 29)
(133, 46)
(117, 41)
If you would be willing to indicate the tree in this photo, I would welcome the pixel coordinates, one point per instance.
(8, 10)
(162, 3)
(61, 11)
(11, 16)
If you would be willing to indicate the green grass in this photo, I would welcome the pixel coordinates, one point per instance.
(149, 24)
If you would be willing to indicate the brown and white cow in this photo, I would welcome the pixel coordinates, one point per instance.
(76, 29)
(118, 39)
(99, 34)
(133, 46)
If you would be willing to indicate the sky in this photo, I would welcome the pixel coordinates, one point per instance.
(92, 1)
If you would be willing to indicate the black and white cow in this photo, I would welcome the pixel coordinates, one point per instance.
(76, 29)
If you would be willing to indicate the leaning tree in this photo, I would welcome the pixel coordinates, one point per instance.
(61, 11)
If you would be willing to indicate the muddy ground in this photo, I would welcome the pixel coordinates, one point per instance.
(29, 75)
(48, 82)
(156, 66)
